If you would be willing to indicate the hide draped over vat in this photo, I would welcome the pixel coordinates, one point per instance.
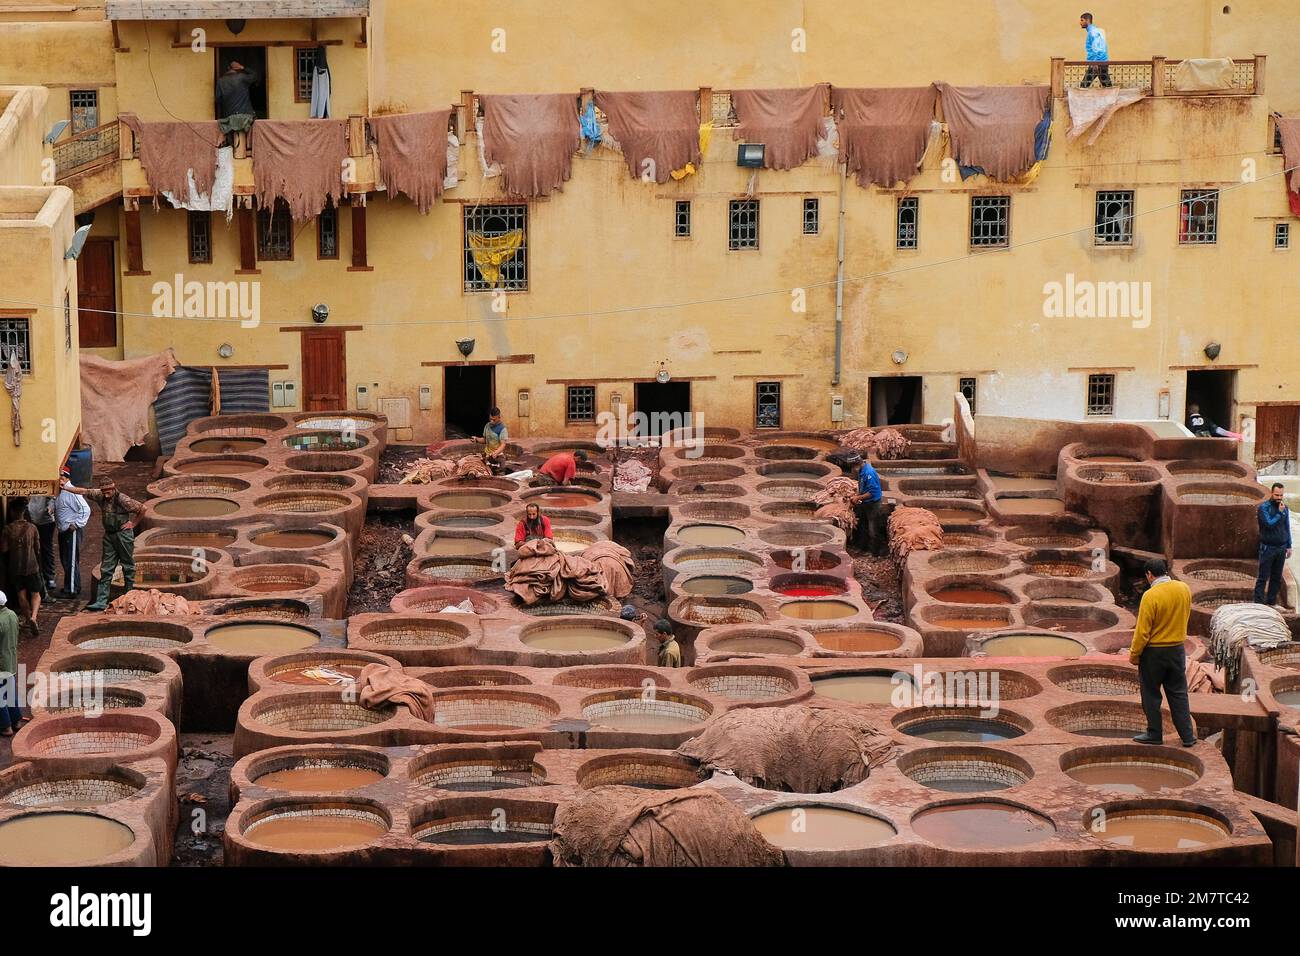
(115, 401)
(614, 562)
(1233, 626)
(169, 152)
(660, 127)
(299, 161)
(153, 603)
(412, 150)
(628, 826)
(913, 529)
(379, 685)
(533, 138)
(542, 575)
(794, 749)
(883, 132)
(787, 122)
(992, 127)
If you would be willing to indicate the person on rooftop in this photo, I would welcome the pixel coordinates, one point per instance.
(1157, 651)
(1095, 51)
(1274, 545)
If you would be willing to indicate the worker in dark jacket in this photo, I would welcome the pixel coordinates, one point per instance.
(1274, 545)
(120, 514)
(235, 110)
(867, 508)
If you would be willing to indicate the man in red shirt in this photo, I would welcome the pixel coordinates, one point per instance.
(561, 468)
(532, 525)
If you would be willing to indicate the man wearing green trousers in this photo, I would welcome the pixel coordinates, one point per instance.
(120, 513)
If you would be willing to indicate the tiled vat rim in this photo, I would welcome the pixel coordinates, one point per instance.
(1266, 669)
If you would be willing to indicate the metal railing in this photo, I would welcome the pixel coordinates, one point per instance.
(1156, 76)
(88, 148)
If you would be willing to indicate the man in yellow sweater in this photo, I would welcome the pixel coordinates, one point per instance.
(1158, 653)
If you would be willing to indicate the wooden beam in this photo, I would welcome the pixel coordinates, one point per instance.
(526, 359)
(247, 239)
(359, 263)
(321, 328)
(134, 245)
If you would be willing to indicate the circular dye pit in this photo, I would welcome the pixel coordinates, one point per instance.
(190, 539)
(444, 545)
(564, 499)
(573, 637)
(818, 610)
(712, 535)
(196, 507)
(1113, 720)
(810, 590)
(220, 466)
(82, 792)
(962, 730)
(822, 828)
(742, 682)
(1030, 506)
(857, 640)
(317, 828)
(1132, 774)
(468, 500)
(319, 675)
(786, 536)
(821, 444)
(1159, 829)
(645, 771)
(1288, 698)
(969, 595)
(322, 777)
(1095, 680)
(809, 560)
(633, 712)
(954, 514)
(965, 769)
(484, 832)
(954, 620)
(61, 839)
(466, 521)
(976, 826)
(1110, 459)
(226, 446)
(715, 585)
(757, 644)
(1032, 645)
(293, 540)
(261, 638)
(153, 636)
(877, 688)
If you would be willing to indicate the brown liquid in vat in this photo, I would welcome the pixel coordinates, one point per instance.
(1143, 831)
(971, 623)
(757, 645)
(575, 637)
(314, 832)
(218, 467)
(1031, 506)
(970, 826)
(710, 534)
(818, 610)
(61, 839)
(319, 779)
(1077, 624)
(468, 500)
(261, 638)
(196, 507)
(821, 828)
(457, 546)
(226, 446)
(1288, 698)
(1110, 459)
(863, 641)
(293, 539)
(564, 499)
(860, 688)
(196, 540)
(646, 722)
(955, 514)
(716, 586)
(1132, 777)
(971, 596)
(1028, 645)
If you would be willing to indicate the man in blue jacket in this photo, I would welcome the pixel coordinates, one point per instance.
(867, 504)
(1274, 545)
(1096, 52)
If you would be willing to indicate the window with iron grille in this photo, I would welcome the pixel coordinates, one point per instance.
(968, 387)
(1101, 394)
(812, 216)
(1198, 222)
(67, 321)
(682, 219)
(200, 232)
(15, 334)
(742, 224)
(1281, 235)
(84, 105)
(990, 221)
(581, 403)
(304, 62)
(767, 404)
(1114, 218)
(908, 223)
(1277, 135)
(327, 233)
(275, 233)
(498, 234)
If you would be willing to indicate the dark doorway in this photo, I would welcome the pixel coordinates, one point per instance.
(1215, 392)
(467, 396)
(896, 400)
(663, 406)
(324, 370)
(254, 60)
(97, 295)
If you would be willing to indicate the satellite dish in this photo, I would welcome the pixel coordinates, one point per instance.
(78, 240)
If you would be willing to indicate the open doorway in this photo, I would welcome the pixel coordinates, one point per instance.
(1215, 392)
(468, 394)
(665, 405)
(254, 60)
(896, 400)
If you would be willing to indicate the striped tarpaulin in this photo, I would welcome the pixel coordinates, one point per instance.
(186, 396)
(244, 390)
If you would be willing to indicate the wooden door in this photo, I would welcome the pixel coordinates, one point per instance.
(1277, 430)
(97, 295)
(324, 370)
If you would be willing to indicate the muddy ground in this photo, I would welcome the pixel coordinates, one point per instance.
(380, 564)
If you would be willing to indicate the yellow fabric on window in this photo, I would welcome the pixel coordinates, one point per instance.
(492, 252)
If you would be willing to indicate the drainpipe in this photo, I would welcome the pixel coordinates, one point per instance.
(839, 278)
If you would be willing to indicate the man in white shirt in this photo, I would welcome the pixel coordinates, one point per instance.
(71, 512)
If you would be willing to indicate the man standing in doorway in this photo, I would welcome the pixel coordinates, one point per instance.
(1157, 651)
(1202, 426)
(235, 110)
(1095, 51)
(71, 514)
(867, 505)
(120, 514)
(1274, 545)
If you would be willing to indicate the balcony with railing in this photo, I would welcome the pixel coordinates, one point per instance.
(86, 150)
(1157, 76)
